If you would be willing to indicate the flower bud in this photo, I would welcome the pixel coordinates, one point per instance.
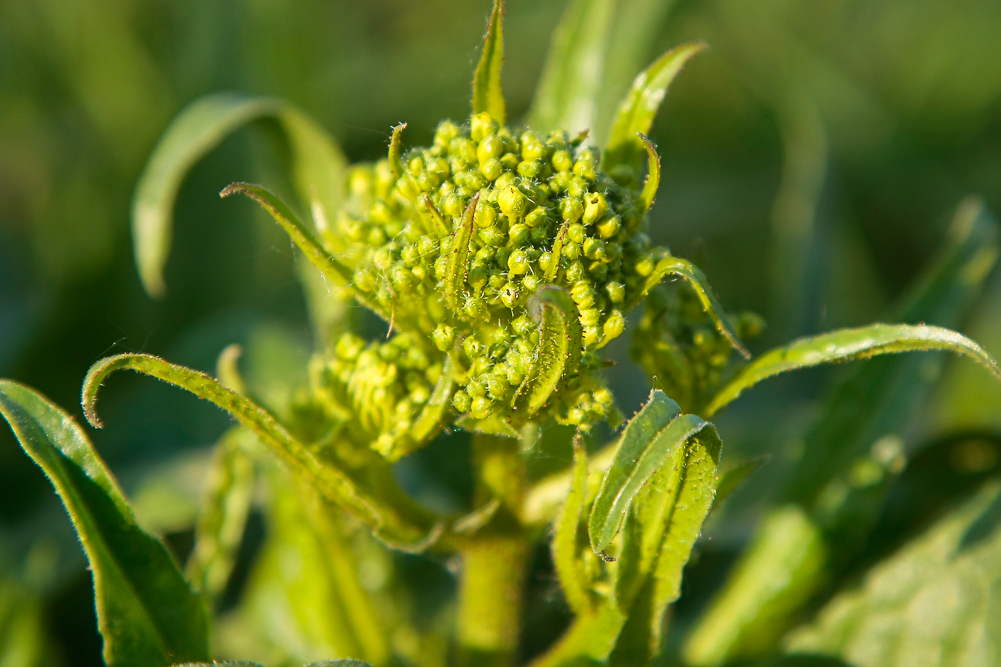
(443, 337)
(481, 408)
(517, 263)
(486, 214)
(571, 209)
(616, 291)
(576, 233)
(492, 169)
(529, 168)
(462, 401)
(482, 126)
(614, 325)
(518, 234)
(512, 203)
(609, 227)
(538, 217)
(490, 148)
(595, 207)
(562, 161)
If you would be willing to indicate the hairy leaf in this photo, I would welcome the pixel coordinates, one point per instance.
(568, 92)
(637, 110)
(557, 251)
(568, 565)
(317, 169)
(458, 259)
(225, 507)
(938, 598)
(439, 227)
(847, 344)
(389, 522)
(147, 614)
(686, 270)
(487, 93)
(650, 439)
(396, 150)
(558, 353)
(652, 183)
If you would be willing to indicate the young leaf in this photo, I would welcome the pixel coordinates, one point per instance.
(936, 597)
(557, 251)
(487, 93)
(432, 417)
(558, 353)
(396, 150)
(568, 92)
(458, 259)
(147, 614)
(568, 565)
(389, 523)
(846, 344)
(637, 110)
(652, 183)
(691, 273)
(652, 436)
(225, 507)
(317, 169)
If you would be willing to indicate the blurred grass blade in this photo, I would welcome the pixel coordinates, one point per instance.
(937, 596)
(316, 172)
(650, 439)
(487, 93)
(558, 353)
(329, 481)
(847, 344)
(693, 275)
(147, 614)
(568, 566)
(223, 517)
(638, 109)
(568, 93)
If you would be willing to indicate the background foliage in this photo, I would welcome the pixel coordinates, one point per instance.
(811, 160)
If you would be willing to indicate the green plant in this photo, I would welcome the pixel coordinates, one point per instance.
(501, 261)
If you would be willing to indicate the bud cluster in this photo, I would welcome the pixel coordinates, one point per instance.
(542, 214)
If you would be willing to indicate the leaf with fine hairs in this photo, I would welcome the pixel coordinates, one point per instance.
(637, 110)
(458, 258)
(558, 353)
(317, 169)
(568, 566)
(487, 93)
(224, 512)
(146, 612)
(403, 527)
(652, 182)
(651, 438)
(675, 266)
(568, 93)
(847, 344)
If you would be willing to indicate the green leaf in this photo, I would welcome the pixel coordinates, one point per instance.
(435, 412)
(557, 251)
(558, 353)
(650, 439)
(147, 614)
(568, 566)
(637, 110)
(317, 169)
(589, 641)
(396, 150)
(458, 259)
(686, 270)
(487, 93)
(847, 344)
(400, 527)
(568, 93)
(730, 479)
(652, 182)
(223, 518)
(938, 598)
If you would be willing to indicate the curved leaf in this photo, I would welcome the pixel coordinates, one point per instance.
(223, 518)
(147, 614)
(558, 353)
(568, 565)
(846, 344)
(200, 127)
(652, 182)
(458, 258)
(691, 273)
(651, 438)
(568, 92)
(637, 110)
(330, 482)
(396, 150)
(557, 251)
(589, 640)
(487, 93)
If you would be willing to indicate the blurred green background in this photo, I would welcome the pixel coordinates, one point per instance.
(812, 160)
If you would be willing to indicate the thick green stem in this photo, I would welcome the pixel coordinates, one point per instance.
(494, 560)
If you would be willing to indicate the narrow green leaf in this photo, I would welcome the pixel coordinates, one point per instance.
(439, 227)
(225, 508)
(396, 150)
(649, 440)
(846, 344)
(487, 93)
(558, 353)
(568, 92)
(432, 417)
(637, 110)
(686, 270)
(731, 479)
(568, 565)
(937, 599)
(589, 641)
(329, 481)
(147, 614)
(458, 259)
(557, 251)
(652, 182)
(317, 169)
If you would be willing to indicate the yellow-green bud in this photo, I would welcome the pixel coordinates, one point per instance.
(492, 169)
(486, 214)
(512, 203)
(576, 233)
(482, 126)
(614, 325)
(461, 401)
(529, 168)
(609, 227)
(443, 337)
(518, 263)
(616, 291)
(490, 148)
(571, 209)
(518, 234)
(562, 161)
(595, 207)
(538, 217)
